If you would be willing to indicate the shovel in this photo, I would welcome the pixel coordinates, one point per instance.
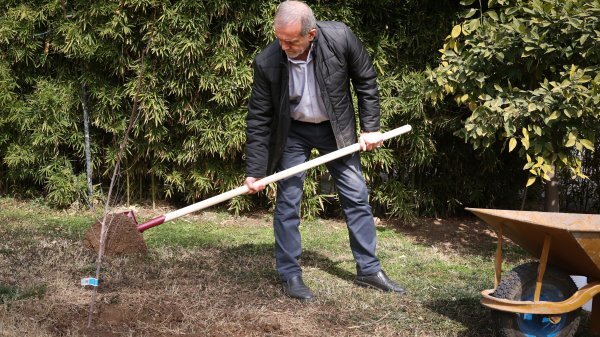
(264, 181)
(244, 189)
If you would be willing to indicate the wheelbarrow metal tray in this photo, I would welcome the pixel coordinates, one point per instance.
(575, 237)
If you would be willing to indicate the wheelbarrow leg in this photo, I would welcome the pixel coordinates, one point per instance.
(542, 267)
(595, 316)
(498, 259)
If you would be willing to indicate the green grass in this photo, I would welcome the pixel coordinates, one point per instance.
(10, 294)
(227, 263)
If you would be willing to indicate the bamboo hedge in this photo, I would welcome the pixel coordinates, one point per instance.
(194, 61)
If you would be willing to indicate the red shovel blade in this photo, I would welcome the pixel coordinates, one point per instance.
(151, 223)
(148, 224)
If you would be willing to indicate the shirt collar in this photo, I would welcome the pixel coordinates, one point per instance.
(308, 58)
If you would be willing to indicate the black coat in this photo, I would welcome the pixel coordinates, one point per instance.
(340, 58)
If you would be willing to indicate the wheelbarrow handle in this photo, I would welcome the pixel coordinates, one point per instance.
(265, 181)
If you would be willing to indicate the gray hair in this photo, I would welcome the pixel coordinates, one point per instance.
(291, 11)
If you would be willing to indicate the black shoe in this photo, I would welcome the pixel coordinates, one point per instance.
(295, 288)
(379, 281)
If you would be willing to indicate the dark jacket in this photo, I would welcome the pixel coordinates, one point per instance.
(340, 58)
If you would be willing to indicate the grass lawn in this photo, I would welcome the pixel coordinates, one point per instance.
(212, 274)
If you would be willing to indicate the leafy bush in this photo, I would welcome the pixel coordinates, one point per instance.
(529, 72)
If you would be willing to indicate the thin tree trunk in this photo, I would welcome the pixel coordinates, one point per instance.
(128, 189)
(88, 155)
(153, 193)
(141, 182)
(552, 194)
(103, 228)
(524, 198)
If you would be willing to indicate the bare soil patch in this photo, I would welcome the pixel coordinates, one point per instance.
(453, 234)
(122, 236)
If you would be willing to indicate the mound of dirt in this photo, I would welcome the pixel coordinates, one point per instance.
(122, 236)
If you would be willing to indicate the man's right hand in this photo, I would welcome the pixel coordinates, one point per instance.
(253, 187)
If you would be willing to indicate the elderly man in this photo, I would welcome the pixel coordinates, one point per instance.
(301, 100)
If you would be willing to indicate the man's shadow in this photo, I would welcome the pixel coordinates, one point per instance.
(317, 260)
(259, 260)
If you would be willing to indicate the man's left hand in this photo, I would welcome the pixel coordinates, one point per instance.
(370, 140)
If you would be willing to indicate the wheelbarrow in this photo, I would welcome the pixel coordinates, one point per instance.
(540, 298)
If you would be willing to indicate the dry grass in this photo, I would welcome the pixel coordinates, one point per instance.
(212, 275)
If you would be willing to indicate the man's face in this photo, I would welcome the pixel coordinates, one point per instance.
(292, 42)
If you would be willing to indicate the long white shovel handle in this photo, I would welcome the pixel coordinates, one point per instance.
(265, 181)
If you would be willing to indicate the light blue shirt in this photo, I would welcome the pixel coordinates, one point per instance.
(306, 104)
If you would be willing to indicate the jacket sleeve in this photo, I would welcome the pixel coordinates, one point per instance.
(258, 122)
(364, 80)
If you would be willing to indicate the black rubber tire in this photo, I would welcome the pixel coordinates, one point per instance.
(519, 284)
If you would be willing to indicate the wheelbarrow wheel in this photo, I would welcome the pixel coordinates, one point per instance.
(519, 285)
